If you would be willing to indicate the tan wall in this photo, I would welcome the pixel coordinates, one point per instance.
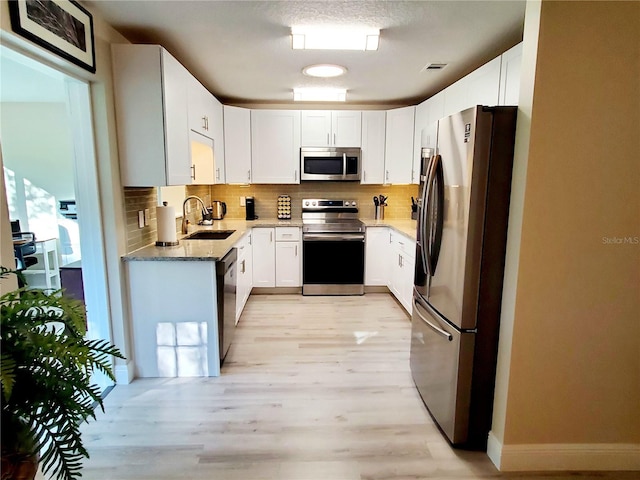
(574, 367)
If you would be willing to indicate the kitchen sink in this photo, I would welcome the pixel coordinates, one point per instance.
(209, 235)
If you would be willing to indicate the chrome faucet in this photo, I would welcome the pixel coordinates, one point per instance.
(185, 222)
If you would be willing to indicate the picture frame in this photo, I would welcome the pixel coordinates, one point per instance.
(63, 27)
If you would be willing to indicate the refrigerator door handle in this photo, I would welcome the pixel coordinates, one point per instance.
(428, 214)
(419, 304)
(435, 240)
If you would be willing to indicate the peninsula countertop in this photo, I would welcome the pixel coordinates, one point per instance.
(213, 250)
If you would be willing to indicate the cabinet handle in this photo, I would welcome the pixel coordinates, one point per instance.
(328, 139)
(270, 236)
(243, 269)
(193, 172)
(295, 176)
(334, 138)
(249, 175)
(399, 260)
(296, 251)
(364, 175)
(387, 175)
(217, 174)
(204, 123)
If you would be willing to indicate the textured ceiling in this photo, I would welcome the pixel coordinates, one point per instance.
(241, 50)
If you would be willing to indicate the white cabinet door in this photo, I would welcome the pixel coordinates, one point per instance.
(377, 257)
(510, 76)
(288, 257)
(275, 146)
(402, 268)
(201, 108)
(288, 264)
(264, 257)
(316, 128)
(483, 84)
(346, 126)
(175, 79)
(218, 141)
(455, 97)
(326, 128)
(237, 144)
(245, 273)
(373, 141)
(399, 145)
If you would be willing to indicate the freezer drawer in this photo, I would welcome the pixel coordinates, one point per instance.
(441, 365)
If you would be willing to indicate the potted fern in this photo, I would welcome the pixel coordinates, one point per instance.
(47, 393)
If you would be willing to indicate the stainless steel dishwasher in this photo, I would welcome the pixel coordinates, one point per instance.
(226, 280)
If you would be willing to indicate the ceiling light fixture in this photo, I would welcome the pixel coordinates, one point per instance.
(324, 70)
(334, 38)
(313, 94)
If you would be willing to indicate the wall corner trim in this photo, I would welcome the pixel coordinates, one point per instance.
(124, 373)
(563, 456)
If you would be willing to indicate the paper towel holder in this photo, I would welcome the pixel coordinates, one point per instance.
(167, 244)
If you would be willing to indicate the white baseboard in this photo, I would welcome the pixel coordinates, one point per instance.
(124, 373)
(563, 456)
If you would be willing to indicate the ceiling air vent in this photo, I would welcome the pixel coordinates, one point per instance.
(433, 66)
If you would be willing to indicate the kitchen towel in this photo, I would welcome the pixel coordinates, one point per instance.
(166, 217)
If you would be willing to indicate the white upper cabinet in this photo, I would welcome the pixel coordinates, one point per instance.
(151, 116)
(170, 129)
(483, 84)
(399, 145)
(510, 76)
(480, 87)
(275, 146)
(326, 128)
(373, 141)
(201, 108)
(237, 144)
(205, 119)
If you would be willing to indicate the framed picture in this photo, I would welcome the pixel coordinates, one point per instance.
(61, 26)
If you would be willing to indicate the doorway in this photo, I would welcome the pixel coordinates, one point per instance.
(51, 182)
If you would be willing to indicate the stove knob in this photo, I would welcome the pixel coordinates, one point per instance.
(353, 204)
(306, 204)
(314, 204)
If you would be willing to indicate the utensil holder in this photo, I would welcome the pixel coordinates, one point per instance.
(379, 213)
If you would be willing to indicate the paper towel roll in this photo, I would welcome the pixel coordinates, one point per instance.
(166, 217)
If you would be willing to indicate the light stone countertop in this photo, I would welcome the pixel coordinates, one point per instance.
(213, 250)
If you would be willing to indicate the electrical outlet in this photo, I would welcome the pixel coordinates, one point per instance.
(147, 215)
(140, 219)
(243, 201)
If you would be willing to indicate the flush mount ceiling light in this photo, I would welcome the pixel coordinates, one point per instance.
(312, 94)
(334, 38)
(324, 70)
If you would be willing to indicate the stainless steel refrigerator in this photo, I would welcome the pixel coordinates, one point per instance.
(460, 249)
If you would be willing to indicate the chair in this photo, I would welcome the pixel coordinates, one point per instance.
(24, 246)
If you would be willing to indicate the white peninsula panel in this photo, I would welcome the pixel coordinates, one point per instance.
(174, 318)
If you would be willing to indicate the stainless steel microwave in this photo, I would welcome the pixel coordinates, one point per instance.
(337, 164)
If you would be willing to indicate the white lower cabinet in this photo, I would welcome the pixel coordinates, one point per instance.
(277, 257)
(390, 261)
(288, 257)
(245, 273)
(376, 257)
(264, 257)
(402, 268)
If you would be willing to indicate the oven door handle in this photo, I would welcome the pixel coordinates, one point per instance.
(333, 237)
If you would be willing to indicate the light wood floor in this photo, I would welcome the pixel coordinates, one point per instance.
(313, 388)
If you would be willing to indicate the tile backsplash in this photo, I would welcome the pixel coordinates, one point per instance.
(266, 199)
